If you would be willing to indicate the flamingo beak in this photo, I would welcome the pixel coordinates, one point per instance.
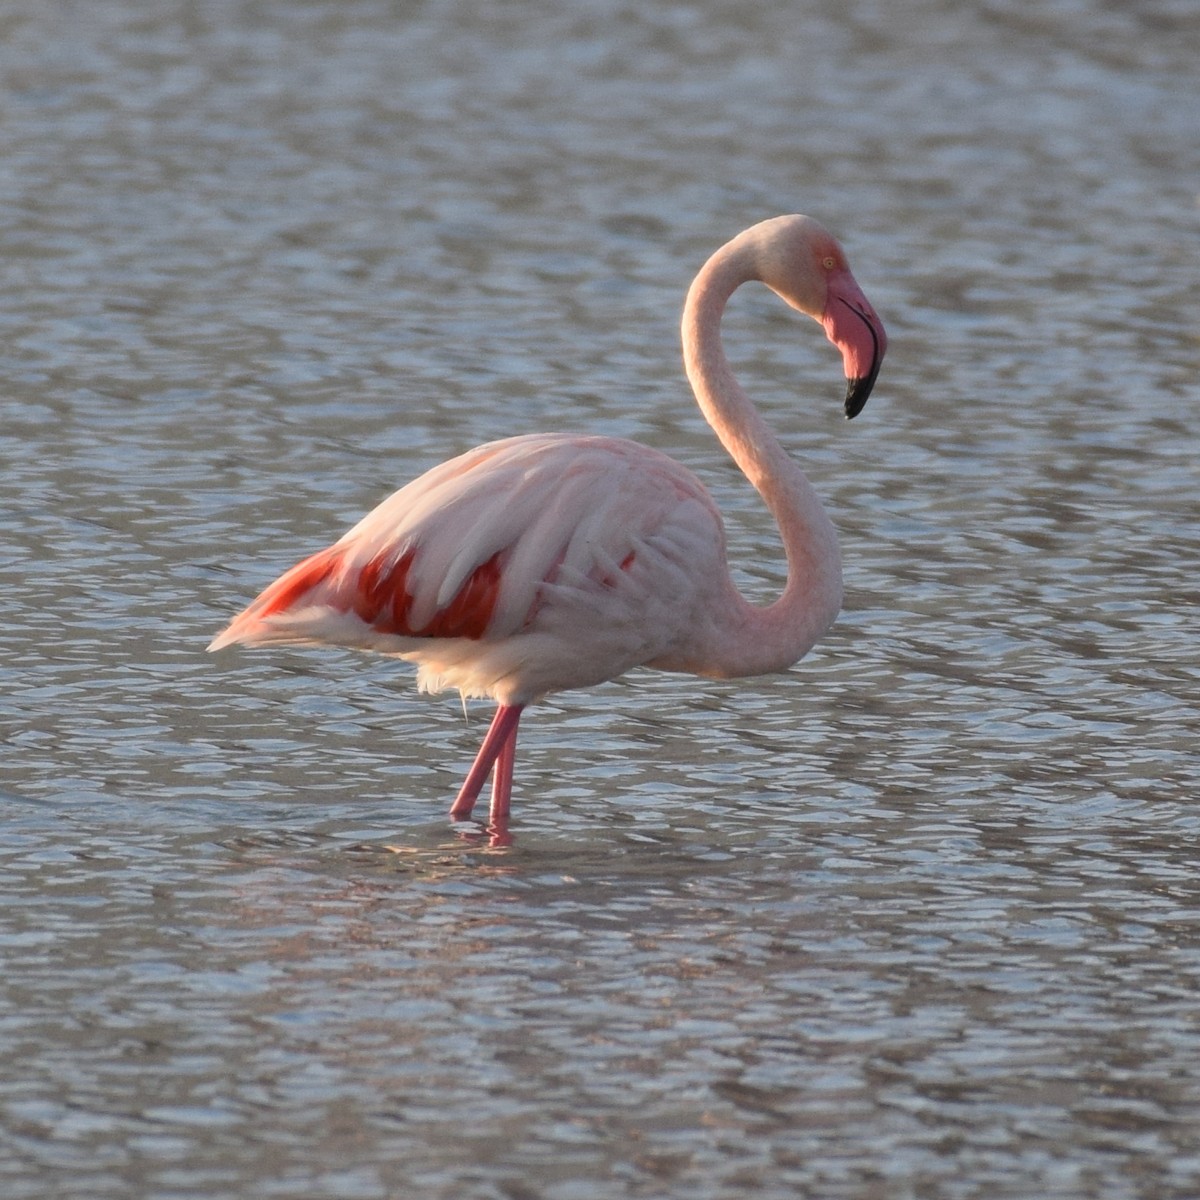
(854, 327)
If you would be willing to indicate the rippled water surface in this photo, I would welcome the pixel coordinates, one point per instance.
(920, 918)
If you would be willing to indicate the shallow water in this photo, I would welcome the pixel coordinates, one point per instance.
(918, 919)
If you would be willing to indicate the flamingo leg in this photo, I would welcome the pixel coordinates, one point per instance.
(502, 730)
(502, 776)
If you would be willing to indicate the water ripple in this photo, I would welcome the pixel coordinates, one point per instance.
(915, 919)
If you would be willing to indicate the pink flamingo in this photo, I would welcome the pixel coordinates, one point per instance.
(553, 561)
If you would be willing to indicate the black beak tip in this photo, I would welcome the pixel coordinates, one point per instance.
(857, 391)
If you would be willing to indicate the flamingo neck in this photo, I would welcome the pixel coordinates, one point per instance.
(773, 637)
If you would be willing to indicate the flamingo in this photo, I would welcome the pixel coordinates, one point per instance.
(551, 561)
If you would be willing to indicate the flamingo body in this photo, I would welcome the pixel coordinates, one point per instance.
(553, 561)
(525, 566)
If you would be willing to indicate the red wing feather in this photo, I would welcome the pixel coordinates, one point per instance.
(470, 612)
(378, 595)
(298, 582)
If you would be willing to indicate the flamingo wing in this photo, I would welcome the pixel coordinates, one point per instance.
(524, 566)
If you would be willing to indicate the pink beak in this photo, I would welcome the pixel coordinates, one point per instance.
(854, 327)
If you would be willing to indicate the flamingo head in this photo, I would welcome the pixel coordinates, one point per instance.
(801, 261)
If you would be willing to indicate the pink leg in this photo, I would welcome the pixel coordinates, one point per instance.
(502, 729)
(502, 775)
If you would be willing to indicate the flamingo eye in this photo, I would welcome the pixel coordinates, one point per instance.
(829, 263)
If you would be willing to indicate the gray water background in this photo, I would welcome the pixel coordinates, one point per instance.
(920, 918)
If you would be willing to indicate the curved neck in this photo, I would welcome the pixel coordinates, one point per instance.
(774, 637)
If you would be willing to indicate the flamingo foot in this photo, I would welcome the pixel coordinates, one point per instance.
(498, 751)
